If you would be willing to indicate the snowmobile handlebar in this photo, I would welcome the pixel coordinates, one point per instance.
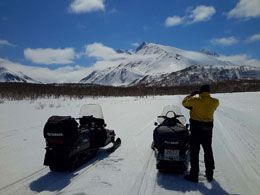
(90, 116)
(175, 115)
(166, 117)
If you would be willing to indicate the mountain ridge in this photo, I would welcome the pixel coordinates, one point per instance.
(201, 74)
(149, 64)
(154, 61)
(7, 75)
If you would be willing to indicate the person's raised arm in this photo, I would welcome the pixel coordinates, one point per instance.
(188, 100)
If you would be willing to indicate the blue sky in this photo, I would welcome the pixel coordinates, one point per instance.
(56, 33)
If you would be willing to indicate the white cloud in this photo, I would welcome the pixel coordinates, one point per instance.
(135, 44)
(245, 9)
(202, 13)
(225, 41)
(50, 56)
(66, 74)
(173, 21)
(253, 38)
(102, 52)
(85, 6)
(241, 59)
(6, 43)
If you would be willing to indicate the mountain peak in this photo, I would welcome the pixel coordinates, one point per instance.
(209, 52)
(120, 51)
(11, 76)
(141, 46)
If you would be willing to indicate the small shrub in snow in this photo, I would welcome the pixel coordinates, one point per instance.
(40, 106)
(2, 101)
(58, 105)
(51, 105)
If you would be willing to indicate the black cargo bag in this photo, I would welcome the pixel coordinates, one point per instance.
(178, 133)
(61, 127)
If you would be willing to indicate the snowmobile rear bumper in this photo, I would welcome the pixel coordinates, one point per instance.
(172, 166)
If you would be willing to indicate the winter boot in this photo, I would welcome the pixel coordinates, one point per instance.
(209, 175)
(192, 177)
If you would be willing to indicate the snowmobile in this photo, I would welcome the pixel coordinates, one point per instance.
(171, 141)
(70, 143)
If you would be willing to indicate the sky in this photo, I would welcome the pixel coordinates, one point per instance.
(65, 35)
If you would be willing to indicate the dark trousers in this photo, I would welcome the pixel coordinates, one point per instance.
(201, 134)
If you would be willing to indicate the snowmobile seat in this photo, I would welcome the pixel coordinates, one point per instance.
(90, 121)
(171, 122)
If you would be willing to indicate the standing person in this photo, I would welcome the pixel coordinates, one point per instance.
(201, 109)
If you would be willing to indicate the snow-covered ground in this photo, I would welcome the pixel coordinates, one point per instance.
(131, 168)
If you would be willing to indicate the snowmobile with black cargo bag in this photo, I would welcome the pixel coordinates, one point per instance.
(70, 143)
(171, 141)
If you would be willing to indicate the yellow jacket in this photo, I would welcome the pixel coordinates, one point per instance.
(201, 108)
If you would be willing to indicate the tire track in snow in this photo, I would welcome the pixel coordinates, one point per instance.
(144, 183)
(21, 181)
(22, 185)
(144, 128)
(10, 134)
(236, 165)
(244, 133)
(16, 130)
(89, 166)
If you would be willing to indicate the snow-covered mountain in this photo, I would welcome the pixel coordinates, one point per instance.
(154, 62)
(198, 74)
(208, 52)
(7, 75)
(150, 64)
(112, 76)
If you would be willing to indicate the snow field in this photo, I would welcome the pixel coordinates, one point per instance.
(131, 168)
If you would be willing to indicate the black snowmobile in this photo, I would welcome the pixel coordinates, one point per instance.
(171, 141)
(70, 143)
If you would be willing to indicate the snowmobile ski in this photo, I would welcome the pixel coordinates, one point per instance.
(116, 144)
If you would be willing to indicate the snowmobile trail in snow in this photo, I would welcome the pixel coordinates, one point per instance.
(84, 169)
(131, 168)
(44, 180)
(235, 162)
(23, 180)
(145, 183)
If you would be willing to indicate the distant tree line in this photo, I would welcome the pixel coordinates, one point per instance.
(19, 91)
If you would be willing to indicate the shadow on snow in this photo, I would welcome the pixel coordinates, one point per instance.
(178, 183)
(56, 181)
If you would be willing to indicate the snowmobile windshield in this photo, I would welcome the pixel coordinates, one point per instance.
(94, 110)
(171, 111)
